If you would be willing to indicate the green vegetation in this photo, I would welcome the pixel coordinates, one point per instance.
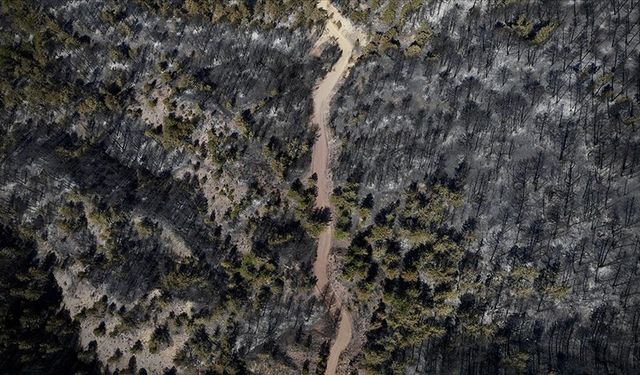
(223, 148)
(137, 347)
(422, 38)
(24, 57)
(522, 27)
(391, 13)
(197, 351)
(418, 275)
(144, 227)
(535, 32)
(100, 330)
(251, 278)
(175, 131)
(160, 338)
(266, 13)
(544, 33)
(350, 213)
(72, 217)
(284, 153)
(388, 15)
(419, 284)
(382, 42)
(79, 212)
(394, 15)
(115, 357)
(303, 198)
(186, 274)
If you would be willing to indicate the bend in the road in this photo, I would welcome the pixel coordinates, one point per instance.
(347, 36)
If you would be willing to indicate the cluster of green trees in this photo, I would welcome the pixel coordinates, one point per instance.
(394, 20)
(184, 276)
(535, 32)
(32, 75)
(407, 266)
(265, 13)
(423, 36)
(176, 130)
(281, 153)
(390, 13)
(285, 153)
(160, 338)
(78, 211)
(25, 58)
(303, 199)
(419, 281)
(251, 278)
(127, 320)
(51, 65)
(71, 216)
(197, 351)
(225, 145)
(350, 210)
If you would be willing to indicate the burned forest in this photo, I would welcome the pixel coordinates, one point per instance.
(320, 187)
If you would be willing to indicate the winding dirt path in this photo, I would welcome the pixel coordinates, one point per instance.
(342, 29)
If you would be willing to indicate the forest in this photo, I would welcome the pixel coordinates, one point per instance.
(499, 141)
(157, 213)
(151, 167)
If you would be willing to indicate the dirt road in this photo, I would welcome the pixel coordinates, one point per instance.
(340, 28)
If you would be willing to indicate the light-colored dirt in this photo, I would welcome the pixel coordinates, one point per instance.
(79, 293)
(340, 28)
